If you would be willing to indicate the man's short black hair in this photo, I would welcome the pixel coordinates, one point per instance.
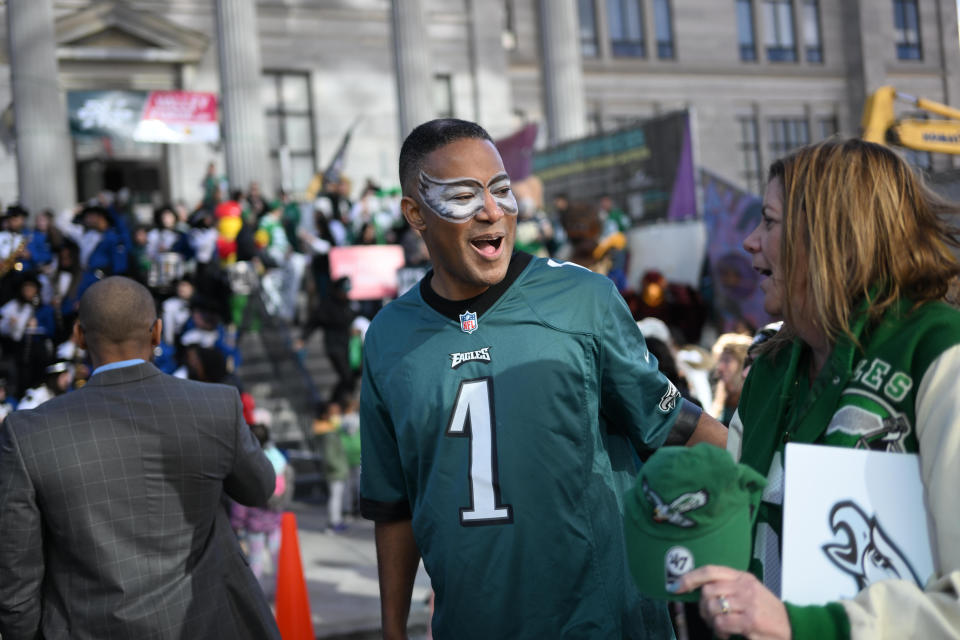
(16, 210)
(158, 214)
(94, 209)
(212, 361)
(430, 136)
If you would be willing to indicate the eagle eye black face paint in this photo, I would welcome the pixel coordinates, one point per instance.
(460, 199)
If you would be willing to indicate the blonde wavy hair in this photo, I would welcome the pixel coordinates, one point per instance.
(858, 223)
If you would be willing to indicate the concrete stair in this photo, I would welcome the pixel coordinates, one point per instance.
(289, 385)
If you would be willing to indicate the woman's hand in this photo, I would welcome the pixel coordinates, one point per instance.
(735, 602)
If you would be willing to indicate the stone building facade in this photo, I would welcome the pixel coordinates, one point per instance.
(293, 76)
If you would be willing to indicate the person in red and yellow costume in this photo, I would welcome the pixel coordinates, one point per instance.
(229, 222)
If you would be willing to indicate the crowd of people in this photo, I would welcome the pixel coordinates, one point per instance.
(202, 264)
(48, 265)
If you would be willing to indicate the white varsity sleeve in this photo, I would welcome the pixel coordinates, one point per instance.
(897, 608)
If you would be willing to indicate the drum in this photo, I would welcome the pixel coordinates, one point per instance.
(243, 278)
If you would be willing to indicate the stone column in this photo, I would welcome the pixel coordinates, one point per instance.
(45, 172)
(562, 72)
(414, 73)
(866, 57)
(244, 129)
(489, 68)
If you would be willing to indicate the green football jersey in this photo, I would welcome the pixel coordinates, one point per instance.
(507, 427)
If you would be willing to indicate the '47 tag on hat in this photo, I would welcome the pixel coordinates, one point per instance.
(676, 562)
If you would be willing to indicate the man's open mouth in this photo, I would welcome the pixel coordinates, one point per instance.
(487, 246)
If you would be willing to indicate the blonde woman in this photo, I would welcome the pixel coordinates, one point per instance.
(856, 258)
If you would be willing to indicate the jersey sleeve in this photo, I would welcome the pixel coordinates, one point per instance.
(898, 608)
(383, 495)
(634, 395)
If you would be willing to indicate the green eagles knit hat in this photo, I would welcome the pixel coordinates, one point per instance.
(690, 507)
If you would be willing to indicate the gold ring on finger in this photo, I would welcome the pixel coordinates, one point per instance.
(724, 605)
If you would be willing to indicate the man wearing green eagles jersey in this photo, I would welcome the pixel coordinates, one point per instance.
(504, 401)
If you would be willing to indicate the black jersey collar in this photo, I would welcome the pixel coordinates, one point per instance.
(478, 304)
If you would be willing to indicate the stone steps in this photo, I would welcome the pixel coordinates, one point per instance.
(272, 374)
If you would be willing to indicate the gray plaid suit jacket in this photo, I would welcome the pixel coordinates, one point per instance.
(112, 522)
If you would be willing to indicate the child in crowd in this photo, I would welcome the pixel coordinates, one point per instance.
(176, 311)
(350, 438)
(326, 429)
(205, 328)
(259, 527)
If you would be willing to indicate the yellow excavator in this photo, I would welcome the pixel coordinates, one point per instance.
(881, 125)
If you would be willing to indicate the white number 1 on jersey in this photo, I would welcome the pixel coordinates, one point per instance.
(473, 418)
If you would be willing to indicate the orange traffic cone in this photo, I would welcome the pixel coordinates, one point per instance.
(292, 603)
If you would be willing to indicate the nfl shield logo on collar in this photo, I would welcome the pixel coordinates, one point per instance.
(468, 322)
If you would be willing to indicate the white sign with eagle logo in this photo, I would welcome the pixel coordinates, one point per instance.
(851, 517)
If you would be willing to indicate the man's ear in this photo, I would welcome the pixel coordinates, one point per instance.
(156, 333)
(79, 336)
(413, 213)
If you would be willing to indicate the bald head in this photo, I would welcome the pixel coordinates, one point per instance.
(117, 313)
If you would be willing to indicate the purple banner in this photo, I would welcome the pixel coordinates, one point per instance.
(683, 199)
(517, 152)
(730, 215)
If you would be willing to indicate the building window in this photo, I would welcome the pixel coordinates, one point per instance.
(626, 28)
(624, 122)
(588, 28)
(786, 134)
(745, 35)
(443, 95)
(663, 21)
(918, 159)
(906, 28)
(915, 158)
(778, 30)
(286, 98)
(811, 31)
(752, 172)
(828, 127)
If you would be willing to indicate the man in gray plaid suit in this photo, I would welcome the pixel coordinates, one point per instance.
(111, 516)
